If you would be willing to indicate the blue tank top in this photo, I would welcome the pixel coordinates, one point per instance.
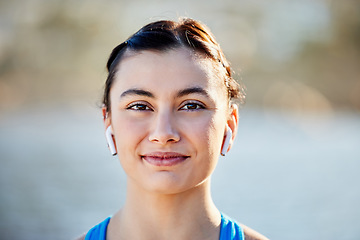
(229, 230)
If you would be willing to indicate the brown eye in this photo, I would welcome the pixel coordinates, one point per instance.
(139, 107)
(192, 107)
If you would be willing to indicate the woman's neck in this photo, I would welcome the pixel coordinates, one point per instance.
(147, 215)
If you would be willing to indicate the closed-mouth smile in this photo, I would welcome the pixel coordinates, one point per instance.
(165, 159)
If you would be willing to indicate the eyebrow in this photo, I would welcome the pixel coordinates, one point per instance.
(191, 90)
(135, 91)
(181, 93)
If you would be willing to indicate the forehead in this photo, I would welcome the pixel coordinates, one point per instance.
(167, 70)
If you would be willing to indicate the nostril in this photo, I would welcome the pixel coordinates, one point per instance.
(164, 137)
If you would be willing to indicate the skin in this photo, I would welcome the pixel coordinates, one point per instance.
(168, 105)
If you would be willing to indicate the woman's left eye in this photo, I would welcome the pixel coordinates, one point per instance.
(192, 106)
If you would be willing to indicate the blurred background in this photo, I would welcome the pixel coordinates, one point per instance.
(294, 170)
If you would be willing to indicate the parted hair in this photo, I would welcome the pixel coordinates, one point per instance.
(167, 35)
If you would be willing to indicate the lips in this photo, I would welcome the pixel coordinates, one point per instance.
(164, 159)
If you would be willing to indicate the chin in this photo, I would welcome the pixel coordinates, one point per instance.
(167, 183)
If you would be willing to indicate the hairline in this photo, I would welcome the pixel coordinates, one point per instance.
(200, 57)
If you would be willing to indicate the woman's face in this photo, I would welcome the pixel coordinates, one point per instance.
(169, 115)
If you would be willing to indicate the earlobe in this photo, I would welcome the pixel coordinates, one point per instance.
(226, 143)
(110, 141)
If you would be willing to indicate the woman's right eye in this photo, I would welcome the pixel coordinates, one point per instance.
(138, 107)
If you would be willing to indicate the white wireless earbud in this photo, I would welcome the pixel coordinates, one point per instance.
(110, 141)
(228, 136)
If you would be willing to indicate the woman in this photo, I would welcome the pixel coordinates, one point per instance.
(169, 112)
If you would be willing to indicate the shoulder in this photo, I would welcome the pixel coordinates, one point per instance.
(231, 229)
(251, 234)
(96, 232)
(82, 237)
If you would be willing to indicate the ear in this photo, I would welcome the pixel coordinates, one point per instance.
(106, 117)
(232, 122)
(108, 131)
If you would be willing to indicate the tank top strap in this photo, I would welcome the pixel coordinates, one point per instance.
(230, 229)
(98, 232)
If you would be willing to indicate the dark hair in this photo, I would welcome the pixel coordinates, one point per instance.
(166, 35)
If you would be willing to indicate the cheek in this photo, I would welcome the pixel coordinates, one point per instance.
(206, 133)
(128, 132)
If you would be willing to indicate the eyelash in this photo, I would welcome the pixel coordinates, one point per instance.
(198, 106)
(138, 106)
(145, 107)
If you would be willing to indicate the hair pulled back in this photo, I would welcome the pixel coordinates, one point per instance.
(166, 35)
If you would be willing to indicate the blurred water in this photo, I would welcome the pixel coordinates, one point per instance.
(287, 177)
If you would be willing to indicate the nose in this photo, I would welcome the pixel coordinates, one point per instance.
(164, 129)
